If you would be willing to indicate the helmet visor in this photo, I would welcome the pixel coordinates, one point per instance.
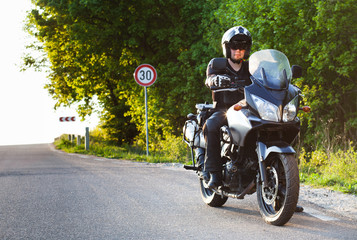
(241, 45)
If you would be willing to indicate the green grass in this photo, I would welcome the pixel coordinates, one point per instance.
(177, 153)
(332, 182)
(335, 170)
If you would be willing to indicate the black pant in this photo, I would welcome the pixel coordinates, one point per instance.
(211, 131)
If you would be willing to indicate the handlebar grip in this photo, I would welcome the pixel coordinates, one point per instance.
(237, 84)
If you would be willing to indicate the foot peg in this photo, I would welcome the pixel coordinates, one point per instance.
(190, 167)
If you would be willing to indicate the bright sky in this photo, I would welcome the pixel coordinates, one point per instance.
(27, 114)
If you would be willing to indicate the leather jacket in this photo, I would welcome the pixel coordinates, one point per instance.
(226, 99)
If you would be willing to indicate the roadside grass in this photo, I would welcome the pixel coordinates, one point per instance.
(173, 153)
(335, 170)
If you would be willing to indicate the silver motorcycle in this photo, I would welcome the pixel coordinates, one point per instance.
(256, 151)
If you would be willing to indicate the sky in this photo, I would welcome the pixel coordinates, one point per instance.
(27, 115)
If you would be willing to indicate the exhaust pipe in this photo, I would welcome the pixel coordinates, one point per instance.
(236, 195)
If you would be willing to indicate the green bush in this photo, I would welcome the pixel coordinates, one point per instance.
(173, 148)
(337, 170)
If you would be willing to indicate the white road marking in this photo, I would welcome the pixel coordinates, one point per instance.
(319, 215)
(99, 159)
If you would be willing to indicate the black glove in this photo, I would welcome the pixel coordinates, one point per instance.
(221, 81)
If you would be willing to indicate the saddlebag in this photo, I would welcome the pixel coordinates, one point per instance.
(192, 134)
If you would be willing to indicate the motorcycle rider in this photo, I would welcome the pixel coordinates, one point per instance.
(236, 45)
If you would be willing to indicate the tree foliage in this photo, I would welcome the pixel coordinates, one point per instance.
(92, 48)
(332, 71)
(321, 37)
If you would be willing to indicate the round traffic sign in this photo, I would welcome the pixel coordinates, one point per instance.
(145, 75)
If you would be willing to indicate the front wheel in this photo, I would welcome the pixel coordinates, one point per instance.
(210, 197)
(278, 197)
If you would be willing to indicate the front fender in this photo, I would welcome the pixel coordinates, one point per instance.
(263, 151)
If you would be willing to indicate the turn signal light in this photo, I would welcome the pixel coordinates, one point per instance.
(306, 109)
(237, 107)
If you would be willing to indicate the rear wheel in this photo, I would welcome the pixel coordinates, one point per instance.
(278, 197)
(210, 197)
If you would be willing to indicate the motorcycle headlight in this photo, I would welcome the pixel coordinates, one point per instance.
(266, 110)
(289, 112)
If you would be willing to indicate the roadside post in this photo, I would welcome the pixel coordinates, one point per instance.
(145, 75)
(86, 145)
(79, 140)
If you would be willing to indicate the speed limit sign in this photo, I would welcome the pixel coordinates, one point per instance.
(145, 75)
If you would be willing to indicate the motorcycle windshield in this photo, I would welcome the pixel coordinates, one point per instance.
(271, 68)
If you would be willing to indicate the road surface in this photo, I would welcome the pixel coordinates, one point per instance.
(48, 194)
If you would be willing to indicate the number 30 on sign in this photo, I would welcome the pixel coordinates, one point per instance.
(145, 75)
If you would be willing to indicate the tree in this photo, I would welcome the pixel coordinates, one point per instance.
(332, 82)
(94, 46)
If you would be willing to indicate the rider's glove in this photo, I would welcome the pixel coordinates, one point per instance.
(221, 81)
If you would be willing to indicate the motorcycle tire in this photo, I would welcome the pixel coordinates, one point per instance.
(278, 198)
(210, 197)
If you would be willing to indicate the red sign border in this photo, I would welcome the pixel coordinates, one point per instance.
(136, 75)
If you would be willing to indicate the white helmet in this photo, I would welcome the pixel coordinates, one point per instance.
(236, 37)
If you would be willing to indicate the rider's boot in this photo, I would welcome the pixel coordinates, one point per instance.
(205, 175)
(215, 180)
(200, 154)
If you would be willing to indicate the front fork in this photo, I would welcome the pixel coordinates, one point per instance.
(260, 152)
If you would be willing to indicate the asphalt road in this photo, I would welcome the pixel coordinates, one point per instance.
(48, 194)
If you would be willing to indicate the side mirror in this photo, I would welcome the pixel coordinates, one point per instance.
(297, 71)
(219, 63)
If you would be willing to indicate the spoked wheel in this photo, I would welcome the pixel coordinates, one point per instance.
(210, 197)
(278, 197)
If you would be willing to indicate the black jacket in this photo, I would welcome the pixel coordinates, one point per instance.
(226, 99)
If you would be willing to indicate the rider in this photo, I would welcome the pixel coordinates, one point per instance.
(236, 44)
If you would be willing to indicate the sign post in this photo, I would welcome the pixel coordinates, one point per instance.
(145, 75)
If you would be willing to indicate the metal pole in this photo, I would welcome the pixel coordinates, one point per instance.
(146, 120)
(78, 140)
(87, 139)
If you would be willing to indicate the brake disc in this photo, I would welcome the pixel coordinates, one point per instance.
(270, 192)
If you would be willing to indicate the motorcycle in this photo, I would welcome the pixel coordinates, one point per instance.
(256, 151)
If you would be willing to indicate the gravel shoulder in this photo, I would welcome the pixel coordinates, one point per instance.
(332, 201)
